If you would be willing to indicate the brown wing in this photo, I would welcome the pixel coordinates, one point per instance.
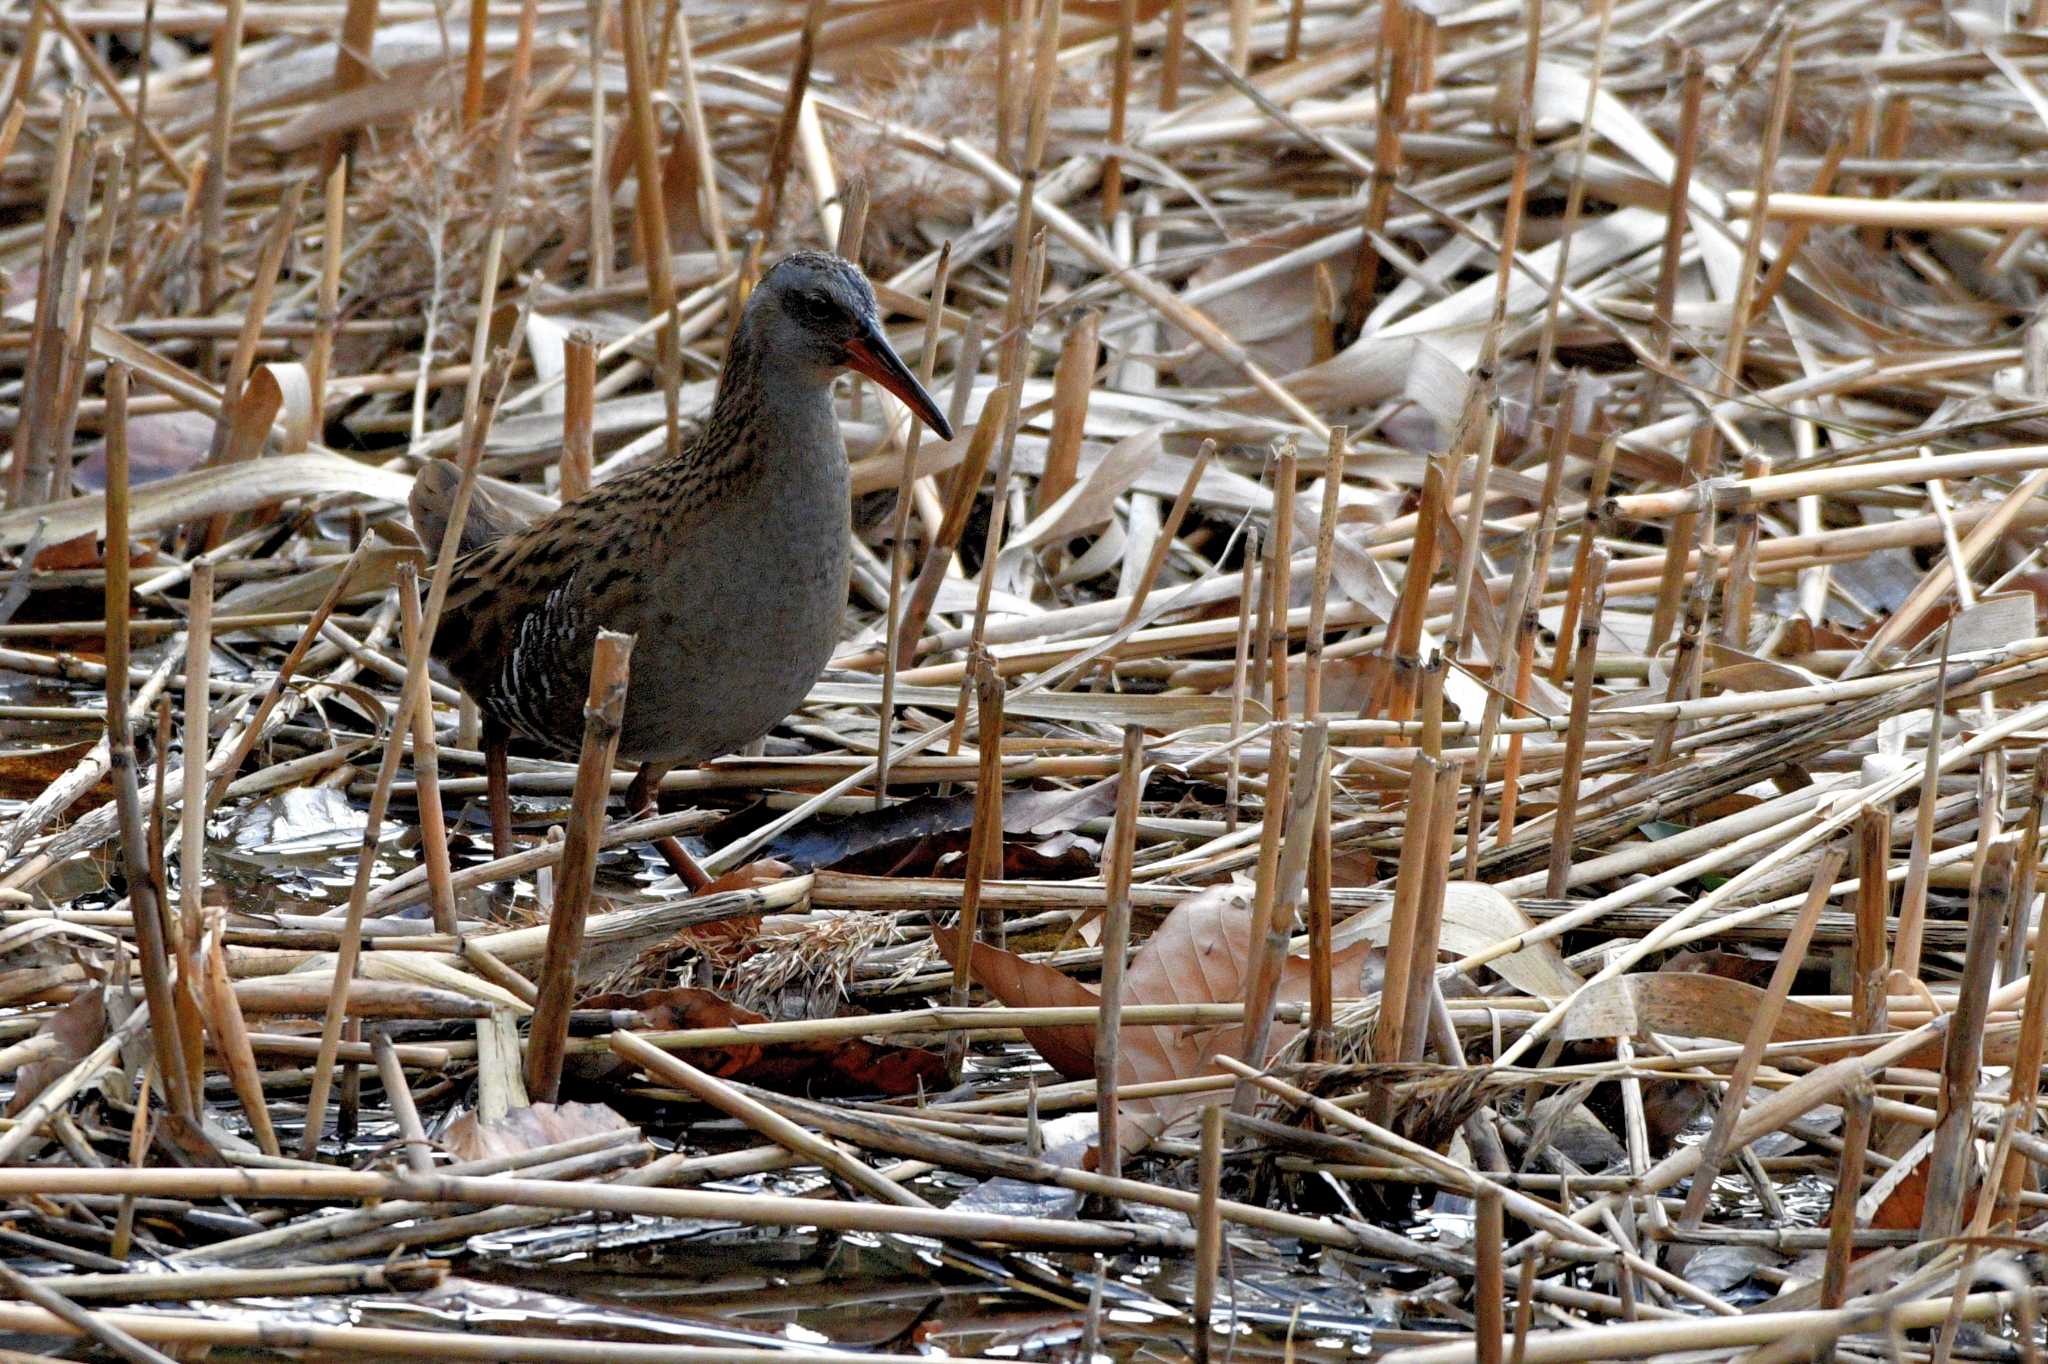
(523, 612)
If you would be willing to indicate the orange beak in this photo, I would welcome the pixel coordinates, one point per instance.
(871, 354)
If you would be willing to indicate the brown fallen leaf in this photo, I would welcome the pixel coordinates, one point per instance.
(1686, 1004)
(831, 1066)
(524, 1129)
(73, 1031)
(727, 933)
(1200, 954)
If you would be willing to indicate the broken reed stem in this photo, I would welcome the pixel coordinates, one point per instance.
(1169, 531)
(253, 729)
(1119, 854)
(426, 766)
(769, 208)
(230, 1032)
(94, 1326)
(985, 840)
(198, 710)
(1949, 1165)
(1429, 915)
(1677, 218)
(1867, 1017)
(1741, 595)
(1591, 527)
(227, 63)
(1398, 673)
(650, 206)
(1279, 568)
(579, 382)
(473, 65)
(1208, 1227)
(893, 652)
(1073, 381)
(152, 950)
(1395, 74)
(184, 938)
(698, 130)
(924, 590)
(1322, 1032)
(1489, 1285)
(603, 715)
(1525, 148)
(1319, 590)
(1170, 56)
(1459, 637)
(419, 1154)
(1247, 592)
(1524, 655)
(327, 316)
(1262, 976)
(1402, 925)
(1577, 729)
(1119, 96)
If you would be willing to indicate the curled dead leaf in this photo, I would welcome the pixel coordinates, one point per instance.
(525, 1129)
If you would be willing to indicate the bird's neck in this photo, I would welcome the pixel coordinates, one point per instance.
(763, 411)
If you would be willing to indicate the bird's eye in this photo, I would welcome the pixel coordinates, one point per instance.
(816, 307)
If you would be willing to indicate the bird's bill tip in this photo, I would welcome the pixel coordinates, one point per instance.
(873, 356)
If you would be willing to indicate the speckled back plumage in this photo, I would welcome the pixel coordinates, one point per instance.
(728, 562)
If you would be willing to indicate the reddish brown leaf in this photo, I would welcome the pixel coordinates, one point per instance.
(736, 931)
(1199, 955)
(824, 1067)
(524, 1129)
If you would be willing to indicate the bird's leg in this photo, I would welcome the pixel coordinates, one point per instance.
(498, 788)
(642, 799)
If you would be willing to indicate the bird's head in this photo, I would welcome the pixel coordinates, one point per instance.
(815, 310)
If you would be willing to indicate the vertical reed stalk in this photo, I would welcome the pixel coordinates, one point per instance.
(603, 714)
(579, 383)
(1949, 1165)
(143, 894)
(1120, 854)
(1575, 732)
(1319, 590)
(1208, 1228)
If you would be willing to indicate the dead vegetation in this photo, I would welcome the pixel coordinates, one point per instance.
(1450, 763)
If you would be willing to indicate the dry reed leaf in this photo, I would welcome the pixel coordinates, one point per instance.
(1687, 1004)
(1091, 502)
(207, 492)
(526, 1129)
(1476, 917)
(1993, 623)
